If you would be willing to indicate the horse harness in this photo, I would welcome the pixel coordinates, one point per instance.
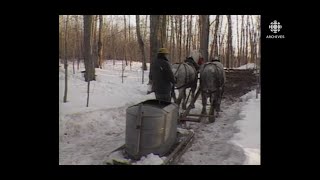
(186, 77)
(218, 71)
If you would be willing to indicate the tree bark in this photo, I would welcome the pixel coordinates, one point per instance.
(238, 42)
(163, 38)
(141, 44)
(172, 40)
(154, 31)
(180, 36)
(214, 49)
(230, 53)
(89, 64)
(125, 40)
(66, 62)
(204, 40)
(94, 43)
(78, 42)
(246, 46)
(100, 42)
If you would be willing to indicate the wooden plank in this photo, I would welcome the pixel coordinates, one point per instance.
(201, 115)
(173, 157)
(190, 119)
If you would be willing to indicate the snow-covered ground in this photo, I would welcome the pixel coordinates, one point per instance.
(87, 135)
(249, 136)
(248, 66)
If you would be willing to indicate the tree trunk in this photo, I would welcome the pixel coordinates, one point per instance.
(125, 40)
(172, 40)
(141, 45)
(154, 31)
(154, 45)
(238, 42)
(184, 18)
(66, 62)
(163, 38)
(246, 46)
(78, 41)
(204, 40)
(176, 37)
(230, 53)
(94, 43)
(242, 41)
(221, 40)
(180, 36)
(129, 42)
(89, 64)
(100, 43)
(214, 49)
(187, 37)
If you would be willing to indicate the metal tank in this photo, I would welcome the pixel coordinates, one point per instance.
(151, 127)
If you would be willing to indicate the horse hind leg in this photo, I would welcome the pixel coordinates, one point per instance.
(218, 101)
(178, 102)
(193, 89)
(212, 117)
(184, 103)
(204, 103)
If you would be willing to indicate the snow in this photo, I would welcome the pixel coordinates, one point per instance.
(87, 135)
(248, 66)
(249, 136)
(233, 139)
(150, 159)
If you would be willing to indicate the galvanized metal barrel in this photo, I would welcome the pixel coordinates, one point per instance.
(151, 127)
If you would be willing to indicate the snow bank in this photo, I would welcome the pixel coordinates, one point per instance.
(88, 134)
(150, 159)
(247, 66)
(249, 125)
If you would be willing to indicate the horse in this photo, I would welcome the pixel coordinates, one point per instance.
(186, 77)
(212, 80)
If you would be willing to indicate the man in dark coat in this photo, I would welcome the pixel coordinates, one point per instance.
(162, 76)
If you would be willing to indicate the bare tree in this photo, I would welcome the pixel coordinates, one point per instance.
(89, 64)
(177, 37)
(163, 37)
(74, 52)
(124, 47)
(154, 29)
(242, 40)
(238, 42)
(221, 40)
(230, 53)
(247, 37)
(204, 40)
(130, 56)
(214, 49)
(172, 46)
(189, 20)
(100, 43)
(180, 36)
(66, 62)
(141, 45)
(94, 42)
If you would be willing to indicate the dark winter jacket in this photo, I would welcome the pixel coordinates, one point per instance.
(161, 75)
